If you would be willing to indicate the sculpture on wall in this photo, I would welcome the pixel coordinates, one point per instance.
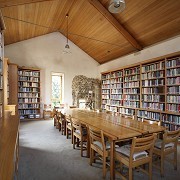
(86, 88)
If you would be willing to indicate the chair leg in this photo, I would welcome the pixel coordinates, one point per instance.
(150, 170)
(175, 160)
(104, 167)
(162, 165)
(91, 156)
(67, 135)
(130, 174)
(81, 148)
(77, 142)
(74, 142)
(72, 136)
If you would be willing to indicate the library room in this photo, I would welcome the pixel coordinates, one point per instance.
(89, 89)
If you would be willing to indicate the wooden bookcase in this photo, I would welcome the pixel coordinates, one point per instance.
(1, 70)
(149, 90)
(29, 93)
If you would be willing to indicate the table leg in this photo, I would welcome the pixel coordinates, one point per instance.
(112, 171)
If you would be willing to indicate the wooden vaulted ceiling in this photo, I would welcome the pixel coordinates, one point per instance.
(102, 35)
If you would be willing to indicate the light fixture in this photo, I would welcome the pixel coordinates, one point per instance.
(67, 47)
(116, 6)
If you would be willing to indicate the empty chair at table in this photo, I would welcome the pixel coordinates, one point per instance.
(135, 155)
(166, 146)
(69, 129)
(99, 147)
(79, 134)
(61, 123)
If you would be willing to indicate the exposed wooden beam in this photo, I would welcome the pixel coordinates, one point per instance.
(8, 3)
(115, 23)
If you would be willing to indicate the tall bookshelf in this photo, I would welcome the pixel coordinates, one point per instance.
(1, 71)
(106, 88)
(29, 93)
(149, 90)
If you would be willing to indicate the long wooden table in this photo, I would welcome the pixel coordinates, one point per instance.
(117, 128)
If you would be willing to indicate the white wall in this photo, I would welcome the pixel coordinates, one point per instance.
(160, 49)
(45, 52)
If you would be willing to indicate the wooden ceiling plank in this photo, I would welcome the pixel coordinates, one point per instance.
(115, 23)
(8, 3)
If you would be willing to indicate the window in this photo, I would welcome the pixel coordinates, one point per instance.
(57, 89)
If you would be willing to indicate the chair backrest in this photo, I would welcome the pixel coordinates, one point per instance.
(54, 113)
(76, 124)
(68, 120)
(171, 137)
(96, 135)
(142, 144)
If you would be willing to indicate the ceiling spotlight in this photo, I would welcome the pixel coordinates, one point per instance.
(116, 6)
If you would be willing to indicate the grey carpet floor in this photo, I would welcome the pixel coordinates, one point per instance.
(45, 154)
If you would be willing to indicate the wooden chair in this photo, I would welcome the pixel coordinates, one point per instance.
(79, 134)
(69, 129)
(166, 146)
(62, 123)
(54, 115)
(137, 154)
(99, 147)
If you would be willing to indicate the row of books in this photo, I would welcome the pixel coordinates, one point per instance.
(153, 82)
(28, 100)
(105, 76)
(28, 95)
(154, 74)
(28, 84)
(116, 86)
(105, 96)
(170, 127)
(131, 84)
(173, 72)
(1, 65)
(152, 90)
(116, 103)
(127, 111)
(173, 63)
(30, 116)
(132, 78)
(116, 74)
(106, 81)
(28, 73)
(135, 70)
(173, 99)
(173, 107)
(105, 91)
(134, 104)
(117, 80)
(132, 97)
(172, 81)
(131, 91)
(116, 96)
(28, 89)
(26, 106)
(116, 91)
(173, 90)
(25, 78)
(156, 106)
(148, 115)
(106, 86)
(106, 101)
(1, 81)
(171, 118)
(153, 67)
(153, 97)
(29, 111)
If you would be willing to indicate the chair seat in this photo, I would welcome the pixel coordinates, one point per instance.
(125, 150)
(158, 144)
(108, 145)
(84, 131)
